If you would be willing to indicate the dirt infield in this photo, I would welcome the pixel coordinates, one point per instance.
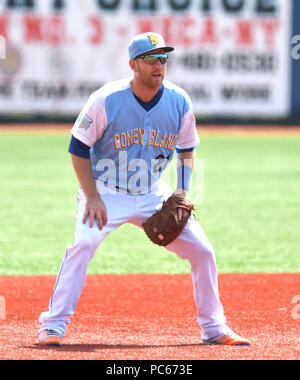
(152, 317)
(204, 130)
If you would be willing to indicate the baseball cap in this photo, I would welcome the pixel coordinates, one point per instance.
(143, 43)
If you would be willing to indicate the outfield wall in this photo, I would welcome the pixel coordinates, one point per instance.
(236, 58)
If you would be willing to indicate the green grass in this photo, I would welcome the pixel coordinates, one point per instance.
(252, 204)
(250, 210)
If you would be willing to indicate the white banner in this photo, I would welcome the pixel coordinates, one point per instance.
(232, 56)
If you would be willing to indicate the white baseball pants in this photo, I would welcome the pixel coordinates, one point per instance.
(192, 245)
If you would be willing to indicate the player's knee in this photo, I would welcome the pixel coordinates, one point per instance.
(203, 253)
(87, 245)
(210, 253)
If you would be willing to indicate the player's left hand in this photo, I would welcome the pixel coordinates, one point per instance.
(163, 227)
(182, 212)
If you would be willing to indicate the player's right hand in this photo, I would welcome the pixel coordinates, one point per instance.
(95, 209)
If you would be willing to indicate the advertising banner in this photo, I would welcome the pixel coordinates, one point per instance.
(232, 56)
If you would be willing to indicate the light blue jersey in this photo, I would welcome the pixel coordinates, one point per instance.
(130, 146)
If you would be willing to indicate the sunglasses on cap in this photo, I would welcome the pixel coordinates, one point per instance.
(152, 59)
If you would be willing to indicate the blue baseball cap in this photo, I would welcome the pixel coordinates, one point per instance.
(143, 43)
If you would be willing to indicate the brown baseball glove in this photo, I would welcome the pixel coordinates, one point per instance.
(164, 226)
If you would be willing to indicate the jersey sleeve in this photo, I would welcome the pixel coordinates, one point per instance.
(92, 121)
(188, 136)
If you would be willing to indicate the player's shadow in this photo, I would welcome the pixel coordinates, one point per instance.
(97, 347)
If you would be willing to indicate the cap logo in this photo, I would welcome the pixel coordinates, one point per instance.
(154, 39)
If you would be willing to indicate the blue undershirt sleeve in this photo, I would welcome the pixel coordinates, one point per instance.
(78, 148)
(185, 150)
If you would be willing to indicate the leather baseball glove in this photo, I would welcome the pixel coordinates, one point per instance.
(164, 226)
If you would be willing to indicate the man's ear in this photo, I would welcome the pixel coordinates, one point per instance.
(133, 65)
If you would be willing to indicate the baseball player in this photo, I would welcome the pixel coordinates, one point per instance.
(122, 141)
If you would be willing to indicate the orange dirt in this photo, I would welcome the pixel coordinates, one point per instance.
(153, 317)
(204, 130)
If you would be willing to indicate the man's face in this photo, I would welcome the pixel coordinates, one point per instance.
(150, 75)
